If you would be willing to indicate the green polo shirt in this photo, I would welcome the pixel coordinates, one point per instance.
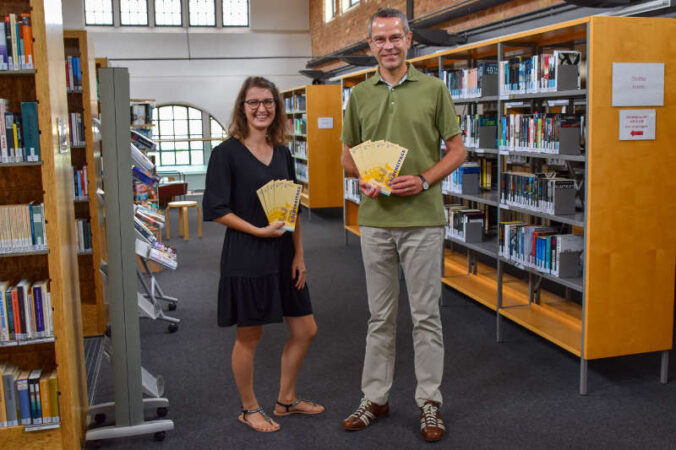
(415, 114)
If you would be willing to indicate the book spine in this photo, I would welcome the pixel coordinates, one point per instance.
(28, 39)
(39, 312)
(8, 40)
(24, 400)
(44, 399)
(15, 44)
(31, 131)
(3, 402)
(10, 398)
(3, 47)
(4, 324)
(54, 398)
(18, 328)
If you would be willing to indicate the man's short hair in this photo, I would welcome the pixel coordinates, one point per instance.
(389, 12)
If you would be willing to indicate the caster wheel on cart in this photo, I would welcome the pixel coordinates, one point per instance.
(160, 435)
(171, 306)
(162, 411)
(173, 328)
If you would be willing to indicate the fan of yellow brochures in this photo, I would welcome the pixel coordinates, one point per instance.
(379, 162)
(280, 200)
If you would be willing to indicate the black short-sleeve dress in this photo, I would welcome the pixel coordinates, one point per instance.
(256, 286)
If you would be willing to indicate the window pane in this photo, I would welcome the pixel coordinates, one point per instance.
(181, 128)
(202, 13)
(216, 129)
(195, 113)
(235, 13)
(180, 113)
(197, 157)
(133, 12)
(183, 158)
(196, 145)
(167, 145)
(98, 12)
(168, 12)
(196, 127)
(165, 113)
(166, 129)
(168, 159)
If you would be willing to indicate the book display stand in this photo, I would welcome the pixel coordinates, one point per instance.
(566, 179)
(121, 286)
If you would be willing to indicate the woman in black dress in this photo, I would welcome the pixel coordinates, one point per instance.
(262, 266)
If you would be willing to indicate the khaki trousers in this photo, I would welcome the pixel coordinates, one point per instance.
(418, 250)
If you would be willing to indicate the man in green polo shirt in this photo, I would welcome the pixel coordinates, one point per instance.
(401, 105)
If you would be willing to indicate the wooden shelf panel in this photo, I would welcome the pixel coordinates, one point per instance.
(354, 229)
(17, 437)
(543, 323)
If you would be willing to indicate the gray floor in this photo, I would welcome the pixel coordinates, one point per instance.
(518, 394)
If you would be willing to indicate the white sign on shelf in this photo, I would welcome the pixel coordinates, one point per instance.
(325, 123)
(638, 84)
(637, 124)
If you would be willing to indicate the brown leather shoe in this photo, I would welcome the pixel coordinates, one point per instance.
(365, 415)
(432, 427)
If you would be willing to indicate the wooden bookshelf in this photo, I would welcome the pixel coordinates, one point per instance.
(323, 148)
(51, 183)
(77, 44)
(624, 302)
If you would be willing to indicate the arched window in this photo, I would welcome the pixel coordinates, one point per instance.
(183, 133)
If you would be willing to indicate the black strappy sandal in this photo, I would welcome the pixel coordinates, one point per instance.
(268, 419)
(289, 411)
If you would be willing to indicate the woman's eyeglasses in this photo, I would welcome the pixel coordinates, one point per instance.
(254, 103)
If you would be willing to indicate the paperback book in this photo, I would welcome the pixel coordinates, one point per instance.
(280, 200)
(379, 162)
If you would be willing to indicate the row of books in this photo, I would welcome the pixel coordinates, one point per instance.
(294, 104)
(470, 128)
(346, 96)
(25, 311)
(142, 142)
(538, 192)
(466, 83)
(19, 133)
(77, 131)
(141, 160)
(150, 216)
(22, 228)
(84, 235)
(73, 74)
(541, 248)
(453, 183)
(538, 73)
(28, 397)
(465, 224)
(538, 132)
(16, 42)
(141, 114)
(144, 177)
(301, 171)
(351, 190)
(300, 125)
(80, 188)
(298, 148)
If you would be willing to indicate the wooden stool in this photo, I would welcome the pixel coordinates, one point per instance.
(183, 217)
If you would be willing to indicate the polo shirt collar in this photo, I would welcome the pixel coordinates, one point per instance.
(411, 75)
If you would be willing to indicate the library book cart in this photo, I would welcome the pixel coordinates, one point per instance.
(86, 160)
(314, 113)
(616, 295)
(49, 182)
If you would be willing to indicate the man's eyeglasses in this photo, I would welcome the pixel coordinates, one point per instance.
(254, 103)
(395, 39)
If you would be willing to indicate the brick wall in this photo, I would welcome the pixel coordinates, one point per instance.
(351, 27)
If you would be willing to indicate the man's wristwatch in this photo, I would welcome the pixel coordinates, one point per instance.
(425, 184)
